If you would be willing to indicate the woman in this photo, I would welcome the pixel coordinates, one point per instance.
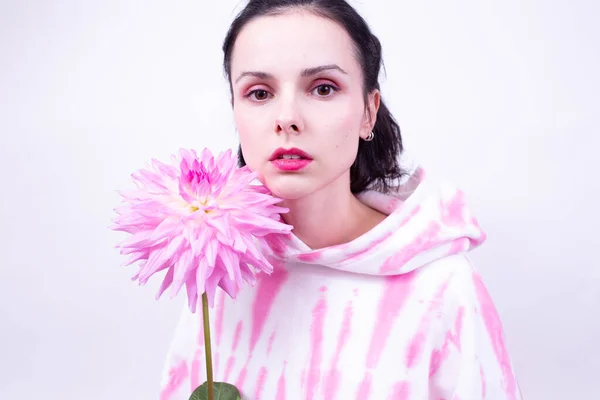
(372, 296)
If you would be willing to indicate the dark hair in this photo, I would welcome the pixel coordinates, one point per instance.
(377, 163)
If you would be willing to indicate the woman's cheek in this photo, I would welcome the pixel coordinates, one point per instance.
(252, 144)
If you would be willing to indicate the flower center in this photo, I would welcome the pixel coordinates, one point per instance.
(200, 205)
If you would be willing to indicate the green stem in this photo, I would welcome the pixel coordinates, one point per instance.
(207, 349)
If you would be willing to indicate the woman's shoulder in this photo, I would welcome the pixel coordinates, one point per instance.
(456, 275)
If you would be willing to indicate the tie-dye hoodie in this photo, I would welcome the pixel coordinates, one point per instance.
(398, 313)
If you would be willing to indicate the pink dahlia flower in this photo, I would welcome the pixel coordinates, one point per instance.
(199, 218)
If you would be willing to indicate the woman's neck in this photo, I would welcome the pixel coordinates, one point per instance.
(330, 216)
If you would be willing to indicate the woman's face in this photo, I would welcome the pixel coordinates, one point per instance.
(298, 102)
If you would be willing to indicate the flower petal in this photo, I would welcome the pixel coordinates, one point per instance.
(202, 273)
(164, 257)
(183, 269)
(201, 237)
(259, 262)
(137, 256)
(192, 294)
(165, 283)
(210, 252)
(230, 287)
(221, 225)
(141, 240)
(248, 274)
(238, 241)
(228, 262)
(169, 227)
(211, 284)
(259, 225)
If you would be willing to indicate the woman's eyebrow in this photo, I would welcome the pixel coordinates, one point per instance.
(257, 74)
(305, 73)
(315, 70)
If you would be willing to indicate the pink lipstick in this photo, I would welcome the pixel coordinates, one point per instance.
(290, 159)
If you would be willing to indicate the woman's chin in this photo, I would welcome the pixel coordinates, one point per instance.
(289, 187)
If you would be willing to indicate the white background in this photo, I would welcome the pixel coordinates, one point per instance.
(502, 99)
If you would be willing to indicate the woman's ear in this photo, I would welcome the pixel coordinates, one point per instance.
(373, 102)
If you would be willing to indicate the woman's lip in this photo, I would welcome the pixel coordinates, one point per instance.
(280, 152)
(291, 164)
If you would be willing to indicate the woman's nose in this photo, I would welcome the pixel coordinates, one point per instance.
(289, 120)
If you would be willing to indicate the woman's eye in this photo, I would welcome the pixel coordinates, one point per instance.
(324, 90)
(259, 94)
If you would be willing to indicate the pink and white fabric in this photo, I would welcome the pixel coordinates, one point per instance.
(398, 313)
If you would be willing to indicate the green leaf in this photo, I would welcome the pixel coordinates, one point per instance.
(222, 391)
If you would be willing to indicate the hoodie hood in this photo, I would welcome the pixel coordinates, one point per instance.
(425, 222)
